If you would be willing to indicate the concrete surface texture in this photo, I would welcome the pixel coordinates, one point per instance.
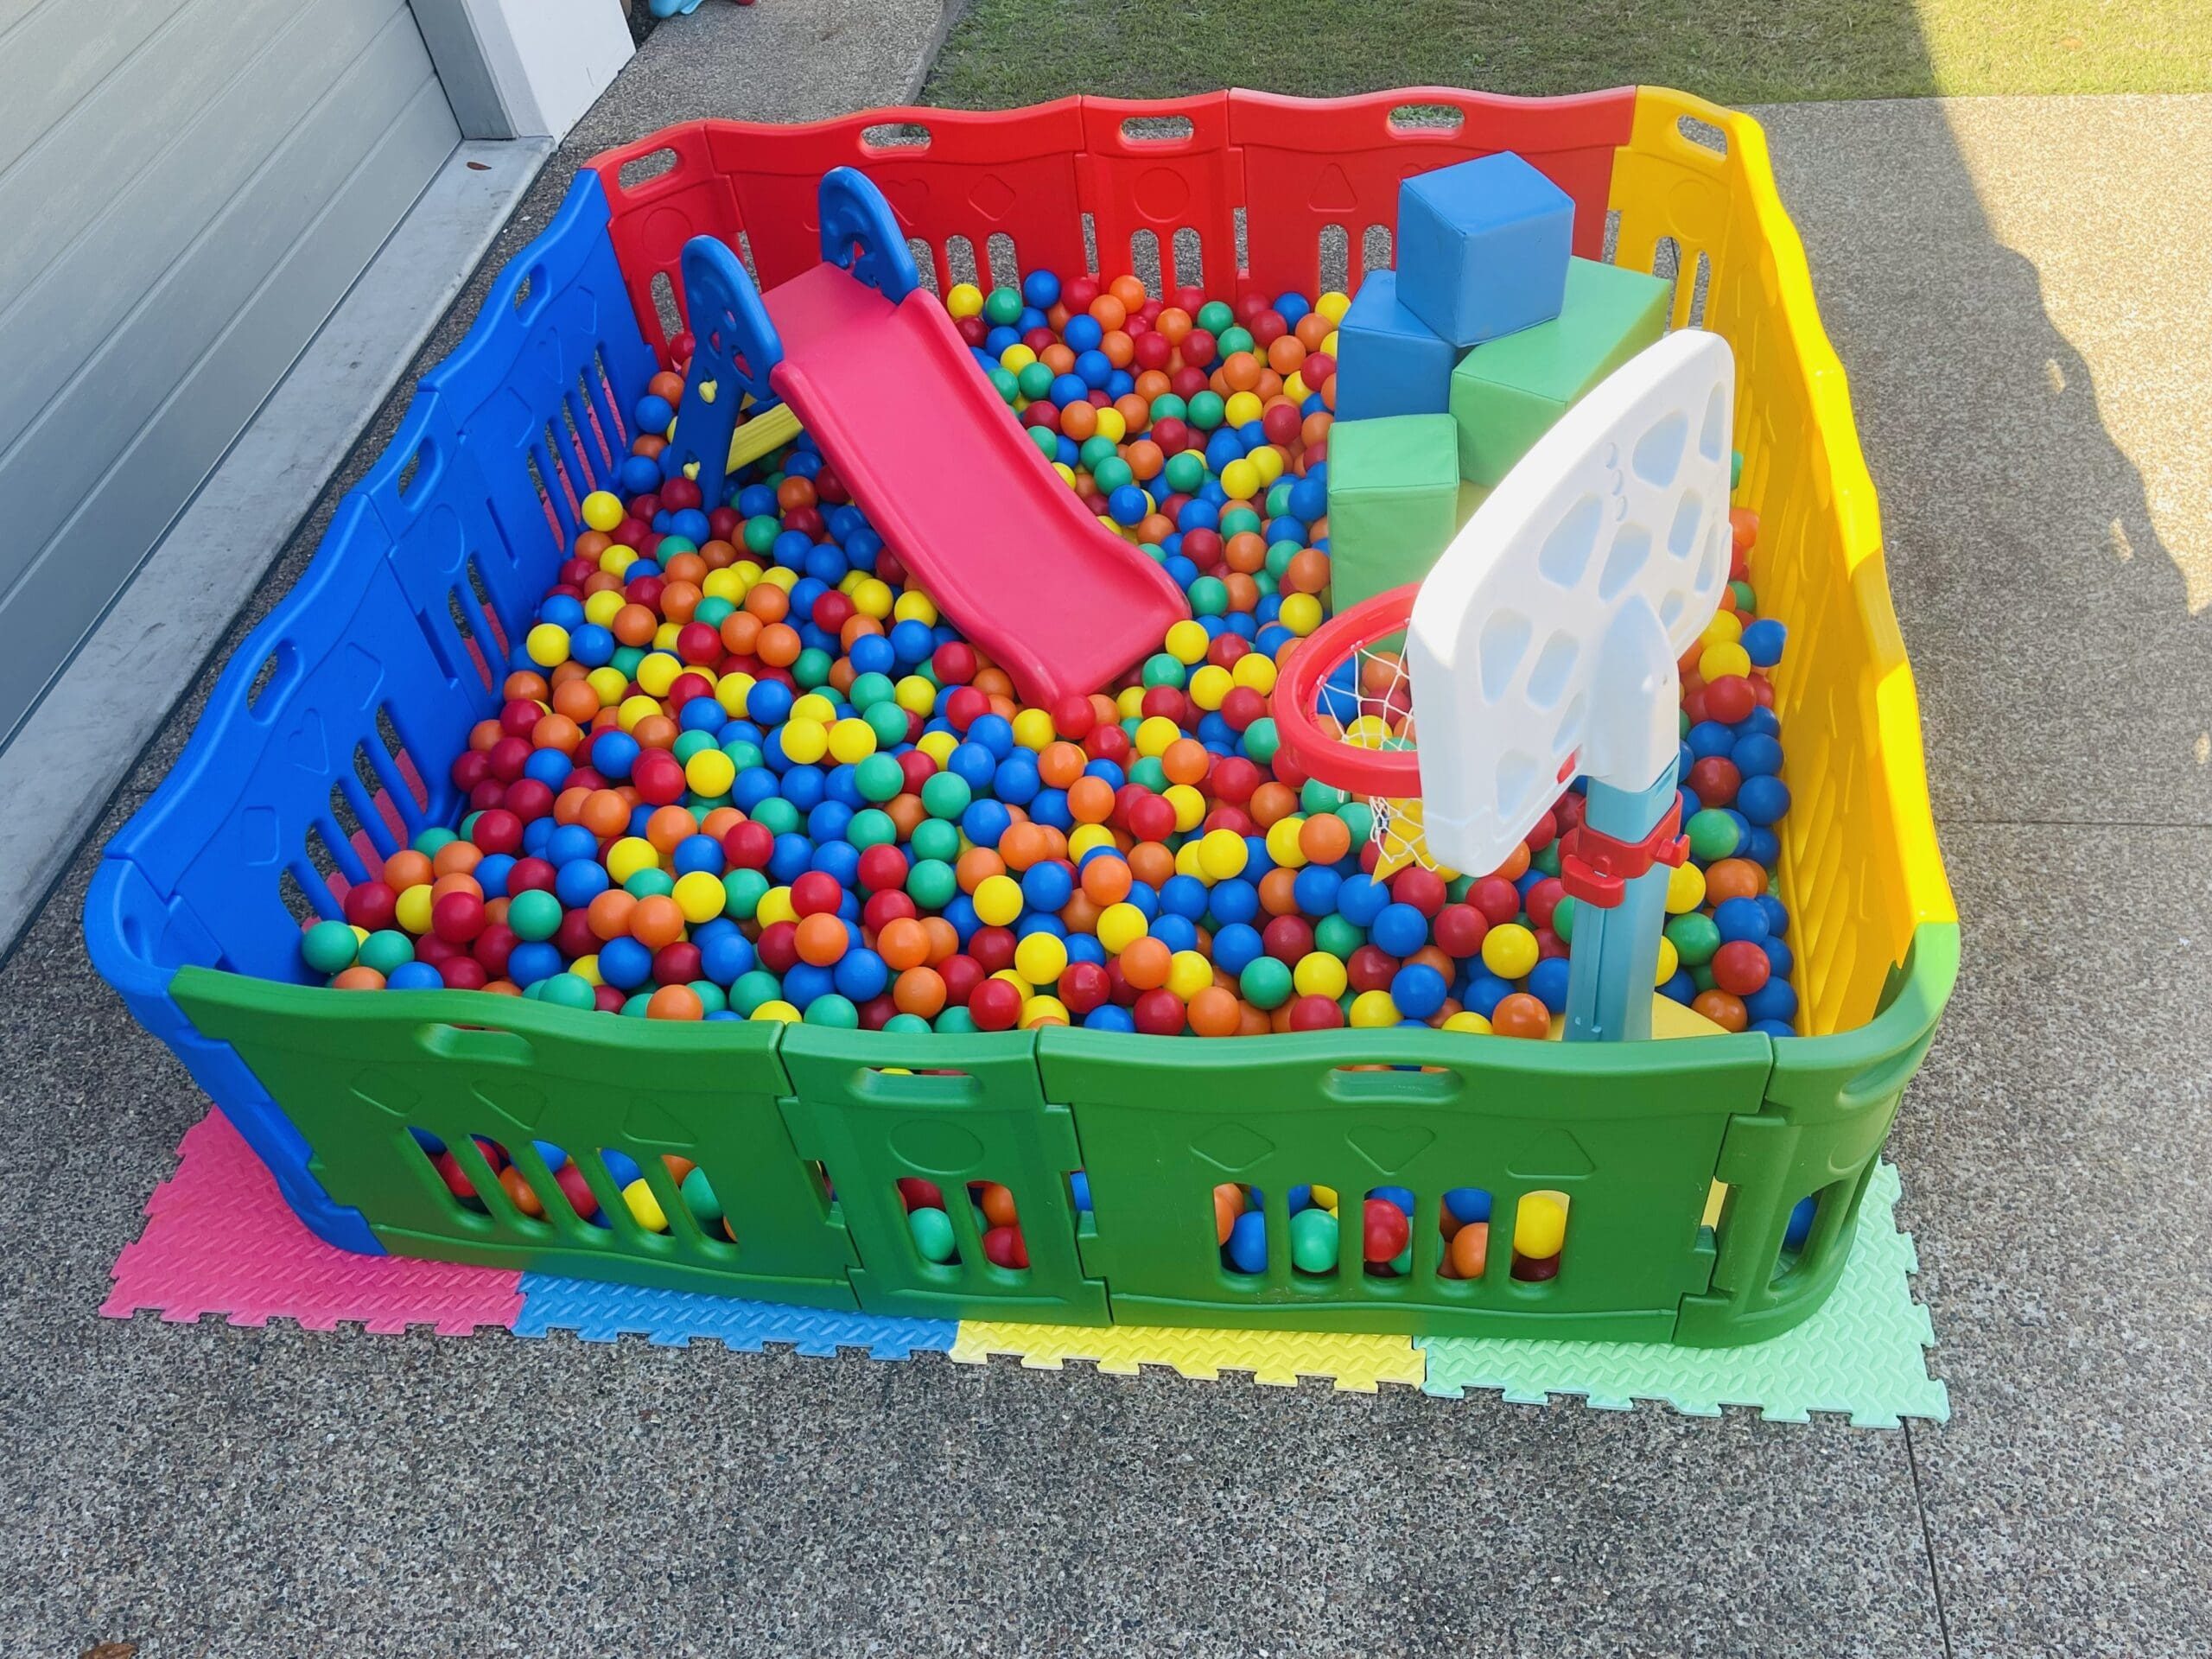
(215, 1491)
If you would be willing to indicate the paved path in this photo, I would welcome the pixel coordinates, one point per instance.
(2014, 300)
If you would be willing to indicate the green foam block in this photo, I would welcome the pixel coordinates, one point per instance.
(1507, 393)
(1394, 501)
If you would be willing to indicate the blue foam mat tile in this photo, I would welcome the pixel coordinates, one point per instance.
(599, 1311)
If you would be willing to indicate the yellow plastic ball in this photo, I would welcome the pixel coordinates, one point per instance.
(851, 741)
(1540, 1225)
(699, 896)
(1726, 629)
(1188, 973)
(547, 645)
(1670, 959)
(998, 900)
(1128, 703)
(1186, 642)
(1241, 479)
(1468, 1020)
(1033, 729)
(709, 773)
(1320, 973)
(644, 1209)
(1333, 304)
(1016, 358)
(657, 671)
(610, 683)
(1268, 460)
(813, 706)
(873, 598)
(780, 575)
(600, 606)
(664, 640)
(603, 510)
(1372, 1010)
(966, 300)
(629, 855)
(915, 606)
(915, 695)
(635, 709)
(1255, 670)
(1685, 888)
(1509, 951)
(1186, 860)
(1043, 1011)
(1242, 408)
(1154, 733)
(726, 583)
(1222, 853)
(1300, 613)
(413, 910)
(1121, 926)
(1324, 1197)
(938, 745)
(1213, 683)
(1294, 387)
(1111, 426)
(586, 969)
(1717, 661)
(1189, 804)
(778, 1012)
(616, 558)
(1040, 959)
(806, 741)
(775, 906)
(1282, 843)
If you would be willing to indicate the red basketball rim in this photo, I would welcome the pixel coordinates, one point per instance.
(1392, 774)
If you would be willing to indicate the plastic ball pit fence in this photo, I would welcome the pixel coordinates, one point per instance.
(326, 740)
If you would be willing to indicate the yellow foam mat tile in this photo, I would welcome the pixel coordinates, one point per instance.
(1358, 1363)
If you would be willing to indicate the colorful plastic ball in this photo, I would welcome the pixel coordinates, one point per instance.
(1509, 951)
(1313, 1236)
(329, 947)
(932, 1231)
(1247, 1246)
(1539, 1224)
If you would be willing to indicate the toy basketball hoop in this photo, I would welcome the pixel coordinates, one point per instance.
(1543, 647)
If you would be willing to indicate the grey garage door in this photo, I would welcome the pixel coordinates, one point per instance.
(187, 188)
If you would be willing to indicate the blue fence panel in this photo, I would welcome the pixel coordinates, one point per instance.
(340, 712)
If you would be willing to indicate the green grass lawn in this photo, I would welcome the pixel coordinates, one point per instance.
(1009, 52)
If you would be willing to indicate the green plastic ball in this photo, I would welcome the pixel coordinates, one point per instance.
(1150, 771)
(933, 838)
(1186, 472)
(1048, 442)
(1313, 1241)
(690, 743)
(1214, 316)
(1265, 982)
(1035, 379)
(1261, 740)
(1713, 836)
(565, 991)
(1003, 306)
(1209, 595)
(699, 1198)
(1095, 452)
(535, 914)
(1695, 937)
(1111, 474)
(932, 1234)
(905, 1022)
(1234, 341)
(1339, 937)
(1207, 411)
(871, 827)
(742, 891)
(329, 947)
(1003, 382)
(930, 884)
(650, 884)
(955, 1020)
(813, 666)
(761, 530)
(1562, 919)
(946, 795)
(754, 988)
(712, 998)
(1164, 668)
(429, 841)
(879, 778)
(781, 817)
(1318, 797)
(386, 949)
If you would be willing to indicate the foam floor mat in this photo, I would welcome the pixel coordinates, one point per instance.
(219, 1240)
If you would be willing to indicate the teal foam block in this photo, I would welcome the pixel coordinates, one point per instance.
(1864, 1353)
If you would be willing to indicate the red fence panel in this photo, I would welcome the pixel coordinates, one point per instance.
(1312, 164)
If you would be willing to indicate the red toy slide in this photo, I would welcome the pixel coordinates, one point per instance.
(961, 493)
(874, 369)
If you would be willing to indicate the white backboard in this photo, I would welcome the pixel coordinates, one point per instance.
(1543, 644)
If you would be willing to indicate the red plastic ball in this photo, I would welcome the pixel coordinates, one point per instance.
(749, 845)
(1729, 699)
(1384, 1230)
(371, 905)
(1741, 967)
(778, 946)
(657, 777)
(994, 1005)
(1316, 1014)
(992, 948)
(1460, 929)
(816, 895)
(1423, 889)
(962, 973)
(497, 831)
(1159, 1012)
(882, 867)
(1084, 986)
(1003, 1246)
(1714, 780)
(457, 917)
(1372, 968)
(1497, 899)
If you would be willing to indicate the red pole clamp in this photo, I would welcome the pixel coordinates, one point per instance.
(1595, 867)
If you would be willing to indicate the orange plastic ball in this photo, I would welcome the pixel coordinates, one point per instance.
(821, 939)
(656, 921)
(902, 944)
(1091, 800)
(1214, 1012)
(1107, 881)
(1145, 963)
(609, 914)
(1469, 1252)
(1733, 877)
(1520, 1015)
(919, 990)
(1228, 1204)
(1324, 838)
(675, 1002)
(1725, 1010)
(408, 868)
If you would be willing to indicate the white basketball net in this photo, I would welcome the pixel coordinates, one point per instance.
(1380, 706)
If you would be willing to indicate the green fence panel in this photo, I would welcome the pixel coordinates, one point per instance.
(1629, 1132)
(357, 1072)
(1827, 1110)
(978, 1114)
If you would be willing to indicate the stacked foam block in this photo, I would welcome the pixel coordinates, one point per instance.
(1450, 368)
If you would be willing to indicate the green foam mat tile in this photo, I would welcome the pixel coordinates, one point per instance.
(1864, 1353)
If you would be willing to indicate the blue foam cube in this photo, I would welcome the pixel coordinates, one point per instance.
(1388, 361)
(1482, 248)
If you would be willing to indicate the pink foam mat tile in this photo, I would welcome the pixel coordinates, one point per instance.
(220, 1239)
